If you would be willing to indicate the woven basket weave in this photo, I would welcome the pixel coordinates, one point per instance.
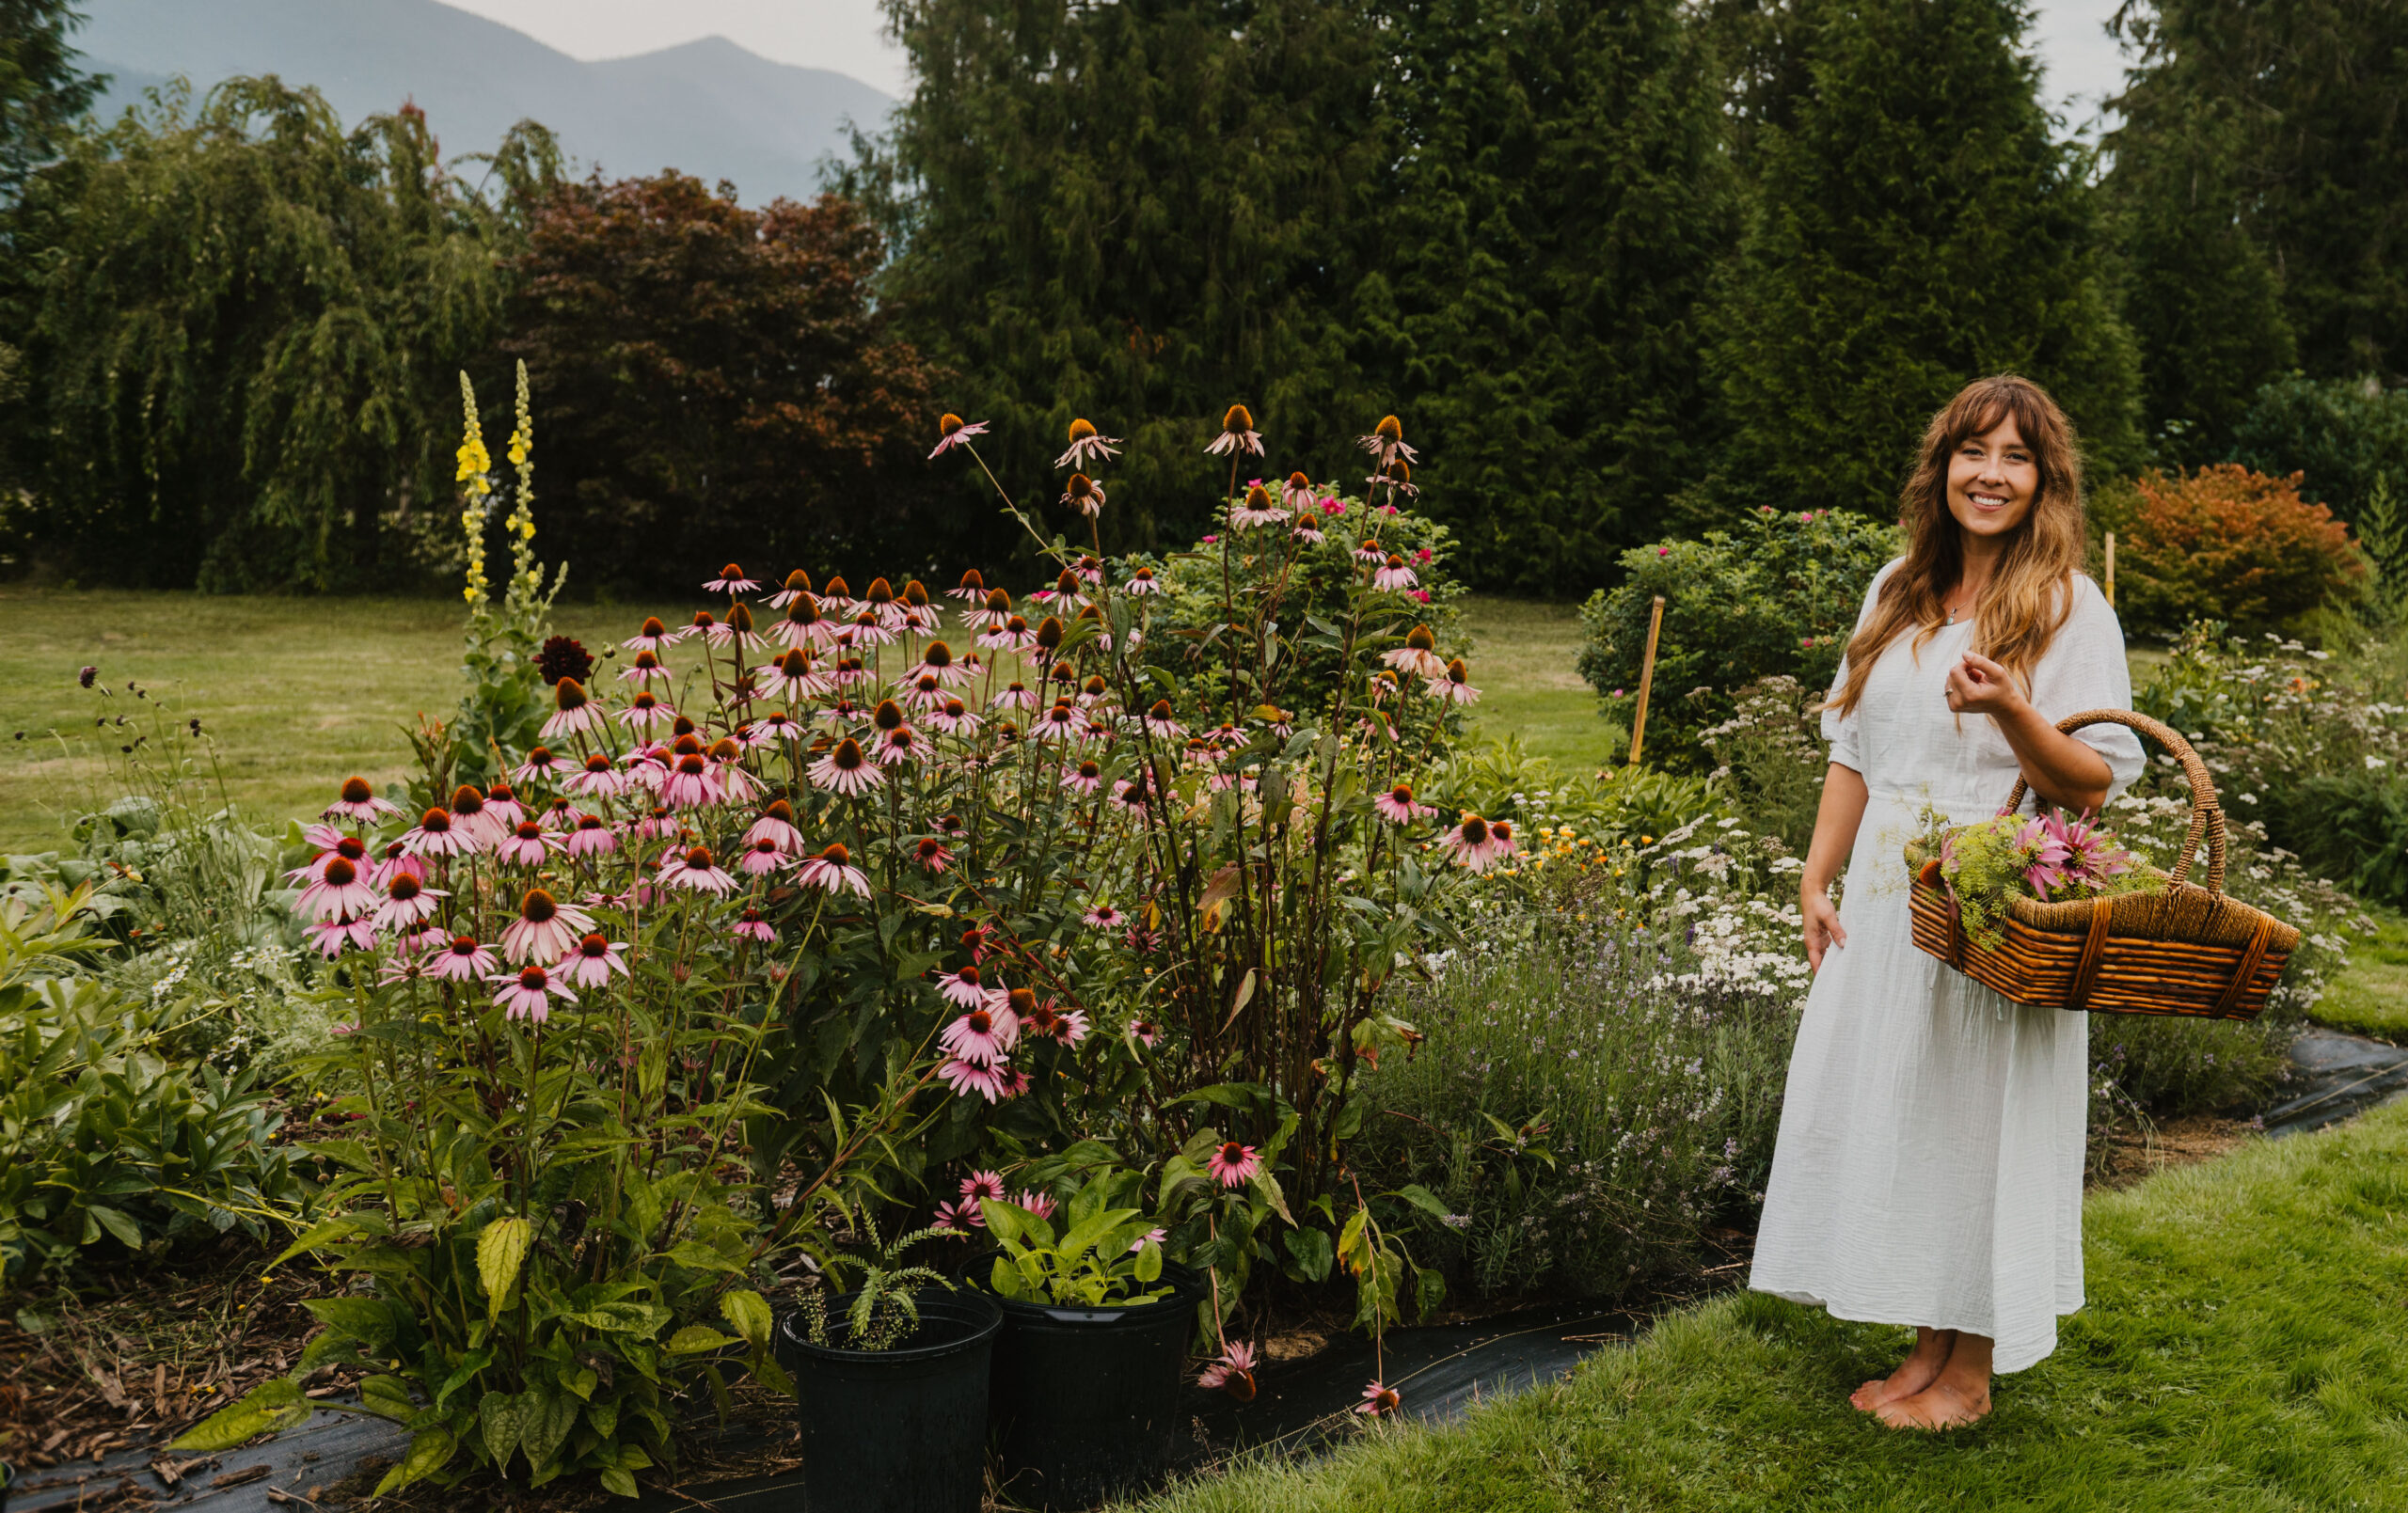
(2183, 949)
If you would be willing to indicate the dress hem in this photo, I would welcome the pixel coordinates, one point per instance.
(1836, 1311)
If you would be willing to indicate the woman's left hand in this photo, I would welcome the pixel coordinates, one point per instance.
(1977, 685)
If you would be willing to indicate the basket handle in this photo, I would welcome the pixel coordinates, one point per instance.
(2206, 815)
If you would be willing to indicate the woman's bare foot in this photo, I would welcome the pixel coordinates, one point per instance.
(1916, 1372)
(1959, 1394)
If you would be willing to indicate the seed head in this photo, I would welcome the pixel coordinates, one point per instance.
(1237, 421)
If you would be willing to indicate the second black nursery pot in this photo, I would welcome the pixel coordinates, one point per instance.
(900, 1430)
(1084, 1401)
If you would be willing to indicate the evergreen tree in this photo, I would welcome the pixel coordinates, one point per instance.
(1136, 214)
(40, 91)
(1559, 202)
(1911, 226)
(2286, 119)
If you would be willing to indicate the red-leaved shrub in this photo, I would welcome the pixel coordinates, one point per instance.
(2226, 544)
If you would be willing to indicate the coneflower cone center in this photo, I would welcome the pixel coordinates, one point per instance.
(538, 906)
(341, 872)
(699, 859)
(356, 790)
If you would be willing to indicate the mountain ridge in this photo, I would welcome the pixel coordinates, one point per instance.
(708, 107)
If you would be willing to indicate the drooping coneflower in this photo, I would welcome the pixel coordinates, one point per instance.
(1161, 721)
(1387, 443)
(1398, 807)
(340, 891)
(529, 844)
(1231, 1371)
(972, 588)
(833, 871)
(592, 960)
(797, 582)
(951, 433)
(650, 636)
(1143, 582)
(529, 994)
(731, 579)
(1418, 656)
(462, 960)
(1393, 575)
(1256, 509)
(407, 901)
(574, 711)
(593, 837)
(544, 929)
(694, 869)
(750, 926)
(358, 801)
(1452, 684)
(1379, 1400)
(1085, 493)
(1237, 435)
(644, 711)
(1087, 448)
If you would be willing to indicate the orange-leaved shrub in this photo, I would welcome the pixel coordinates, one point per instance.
(2227, 543)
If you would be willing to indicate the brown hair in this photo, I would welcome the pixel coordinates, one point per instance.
(2029, 596)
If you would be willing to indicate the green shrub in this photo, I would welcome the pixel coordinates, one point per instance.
(2340, 435)
(1778, 595)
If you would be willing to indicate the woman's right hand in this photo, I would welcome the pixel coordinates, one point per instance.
(1823, 928)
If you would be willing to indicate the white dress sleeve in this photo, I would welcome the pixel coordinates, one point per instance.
(1838, 729)
(2084, 669)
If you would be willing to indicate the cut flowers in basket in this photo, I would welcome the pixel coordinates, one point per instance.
(2045, 858)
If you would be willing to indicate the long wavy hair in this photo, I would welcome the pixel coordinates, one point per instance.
(2029, 591)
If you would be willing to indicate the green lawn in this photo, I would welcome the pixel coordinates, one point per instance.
(2246, 1347)
(1521, 658)
(2373, 996)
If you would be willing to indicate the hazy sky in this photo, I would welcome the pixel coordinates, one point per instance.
(844, 34)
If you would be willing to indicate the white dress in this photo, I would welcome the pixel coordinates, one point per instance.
(1930, 1160)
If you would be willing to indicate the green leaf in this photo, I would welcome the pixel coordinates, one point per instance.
(273, 1405)
(387, 1397)
(364, 1319)
(703, 1258)
(429, 1452)
(119, 1223)
(501, 1249)
(748, 1312)
(546, 1421)
(1310, 1249)
(696, 1338)
(1423, 1199)
(502, 1416)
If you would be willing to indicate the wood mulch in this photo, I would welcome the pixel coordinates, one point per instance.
(2123, 1156)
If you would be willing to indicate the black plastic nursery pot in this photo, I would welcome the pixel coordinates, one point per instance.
(1086, 1401)
(901, 1430)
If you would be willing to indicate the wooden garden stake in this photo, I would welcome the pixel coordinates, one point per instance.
(2110, 570)
(1646, 678)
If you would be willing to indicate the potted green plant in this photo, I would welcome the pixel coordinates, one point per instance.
(1085, 1395)
(890, 1381)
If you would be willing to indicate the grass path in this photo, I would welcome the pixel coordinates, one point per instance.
(2245, 1348)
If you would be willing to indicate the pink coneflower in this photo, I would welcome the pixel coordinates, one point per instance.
(955, 718)
(1393, 575)
(334, 936)
(776, 728)
(898, 746)
(540, 766)
(591, 960)
(936, 660)
(965, 988)
(435, 837)
(527, 846)
(643, 712)
(398, 859)
(763, 858)
(1143, 582)
(461, 961)
(544, 929)
(1132, 794)
(597, 780)
(530, 994)
(693, 869)
(984, 1035)
(1237, 437)
(798, 583)
(1234, 1163)
(1086, 447)
(1370, 550)
(932, 855)
(846, 770)
(1104, 917)
(834, 872)
(1398, 807)
(951, 433)
(574, 711)
(805, 625)
(1060, 723)
(1040, 1204)
(1309, 533)
(971, 589)
(1473, 842)
(1015, 696)
(1379, 1400)
(994, 608)
(593, 837)
(1387, 443)
(964, 1078)
(956, 1218)
(407, 901)
(750, 926)
(358, 801)
(776, 825)
(1453, 684)
(1084, 494)
(791, 677)
(1231, 1371)
(691, 783)
(1145, 1032)
(650, 636)
(1419, 655)
(1087, 778)
(340, 891)
(1159, 721)
(1255, 509)
(731, 579)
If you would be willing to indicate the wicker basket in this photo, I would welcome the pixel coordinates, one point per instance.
(2183, 949)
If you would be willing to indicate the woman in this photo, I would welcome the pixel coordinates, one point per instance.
(1929, 1166)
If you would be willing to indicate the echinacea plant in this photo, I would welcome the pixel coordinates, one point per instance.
(2044, 857)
